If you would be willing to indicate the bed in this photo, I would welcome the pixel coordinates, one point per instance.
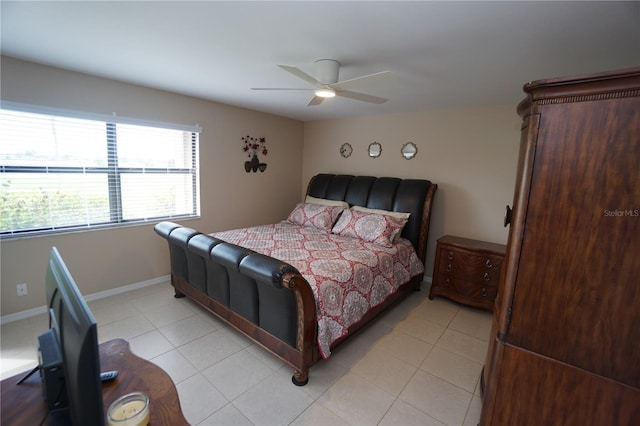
(352, 248)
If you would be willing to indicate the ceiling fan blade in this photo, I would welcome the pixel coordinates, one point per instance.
(316, 100)
(279, 88)
(300, 74)
(377, 78)
(361, 97)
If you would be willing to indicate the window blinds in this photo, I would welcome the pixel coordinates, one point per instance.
(61, 172)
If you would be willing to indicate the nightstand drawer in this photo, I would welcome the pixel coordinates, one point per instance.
(467, 271)
(471, 289)
(473, 267)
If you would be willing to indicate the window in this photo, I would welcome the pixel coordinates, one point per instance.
(61, 172)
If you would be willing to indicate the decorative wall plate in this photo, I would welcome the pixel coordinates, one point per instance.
(346, 149)
(375, 150)
(409, 150)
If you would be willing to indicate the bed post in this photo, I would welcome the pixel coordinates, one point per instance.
(306, 335)
(421, 250)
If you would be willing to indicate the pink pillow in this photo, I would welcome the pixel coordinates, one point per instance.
(315, 215)
(371, 227)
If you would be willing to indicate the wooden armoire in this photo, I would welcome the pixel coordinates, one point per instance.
(565, 339)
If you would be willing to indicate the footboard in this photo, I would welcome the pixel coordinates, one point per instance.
(264, 298)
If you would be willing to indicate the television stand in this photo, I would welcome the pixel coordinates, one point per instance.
(25, 404)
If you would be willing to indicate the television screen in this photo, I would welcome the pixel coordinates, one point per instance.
(76, 331)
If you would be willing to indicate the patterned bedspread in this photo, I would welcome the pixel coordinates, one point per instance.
(348, 276)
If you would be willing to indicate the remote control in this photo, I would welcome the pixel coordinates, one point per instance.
(107, 376)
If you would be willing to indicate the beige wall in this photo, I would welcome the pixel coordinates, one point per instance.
(470, 153)
(106, 259)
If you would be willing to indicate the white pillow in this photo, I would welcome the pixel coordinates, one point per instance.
(400, 215)
(322, 201)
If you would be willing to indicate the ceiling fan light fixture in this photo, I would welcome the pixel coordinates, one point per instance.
(325, 93)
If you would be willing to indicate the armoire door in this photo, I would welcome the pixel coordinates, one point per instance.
(577, 286)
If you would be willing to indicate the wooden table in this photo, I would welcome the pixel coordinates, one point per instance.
(25, 404)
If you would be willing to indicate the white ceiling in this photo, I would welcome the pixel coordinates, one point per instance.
(443, 54)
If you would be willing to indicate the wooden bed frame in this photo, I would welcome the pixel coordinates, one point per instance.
(268, 300)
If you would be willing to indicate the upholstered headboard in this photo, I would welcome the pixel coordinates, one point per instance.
(386, 193)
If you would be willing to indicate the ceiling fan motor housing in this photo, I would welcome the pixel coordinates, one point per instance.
(327, 71)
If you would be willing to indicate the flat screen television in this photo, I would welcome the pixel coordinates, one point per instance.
(73, 328)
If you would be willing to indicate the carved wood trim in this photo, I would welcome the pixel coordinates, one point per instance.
(589, 97)
(607, 85)
(307, 330)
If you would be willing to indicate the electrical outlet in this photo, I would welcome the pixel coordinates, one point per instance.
(22, 289)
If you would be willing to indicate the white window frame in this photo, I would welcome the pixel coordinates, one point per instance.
(113, 171)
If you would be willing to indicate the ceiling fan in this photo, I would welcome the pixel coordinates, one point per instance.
(326, 84)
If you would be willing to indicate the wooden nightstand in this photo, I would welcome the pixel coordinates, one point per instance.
(467, 271)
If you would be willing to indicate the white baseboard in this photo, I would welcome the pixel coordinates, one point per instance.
(426, 283)
(5, 319)
(125, 288)
(107, 293)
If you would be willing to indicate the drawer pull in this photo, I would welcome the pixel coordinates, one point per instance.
(449, 267)
(489, 263)
(447, 282)
(484, 292)
(450, 255)
(486, 276)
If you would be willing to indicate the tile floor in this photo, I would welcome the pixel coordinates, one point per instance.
(419, 364)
